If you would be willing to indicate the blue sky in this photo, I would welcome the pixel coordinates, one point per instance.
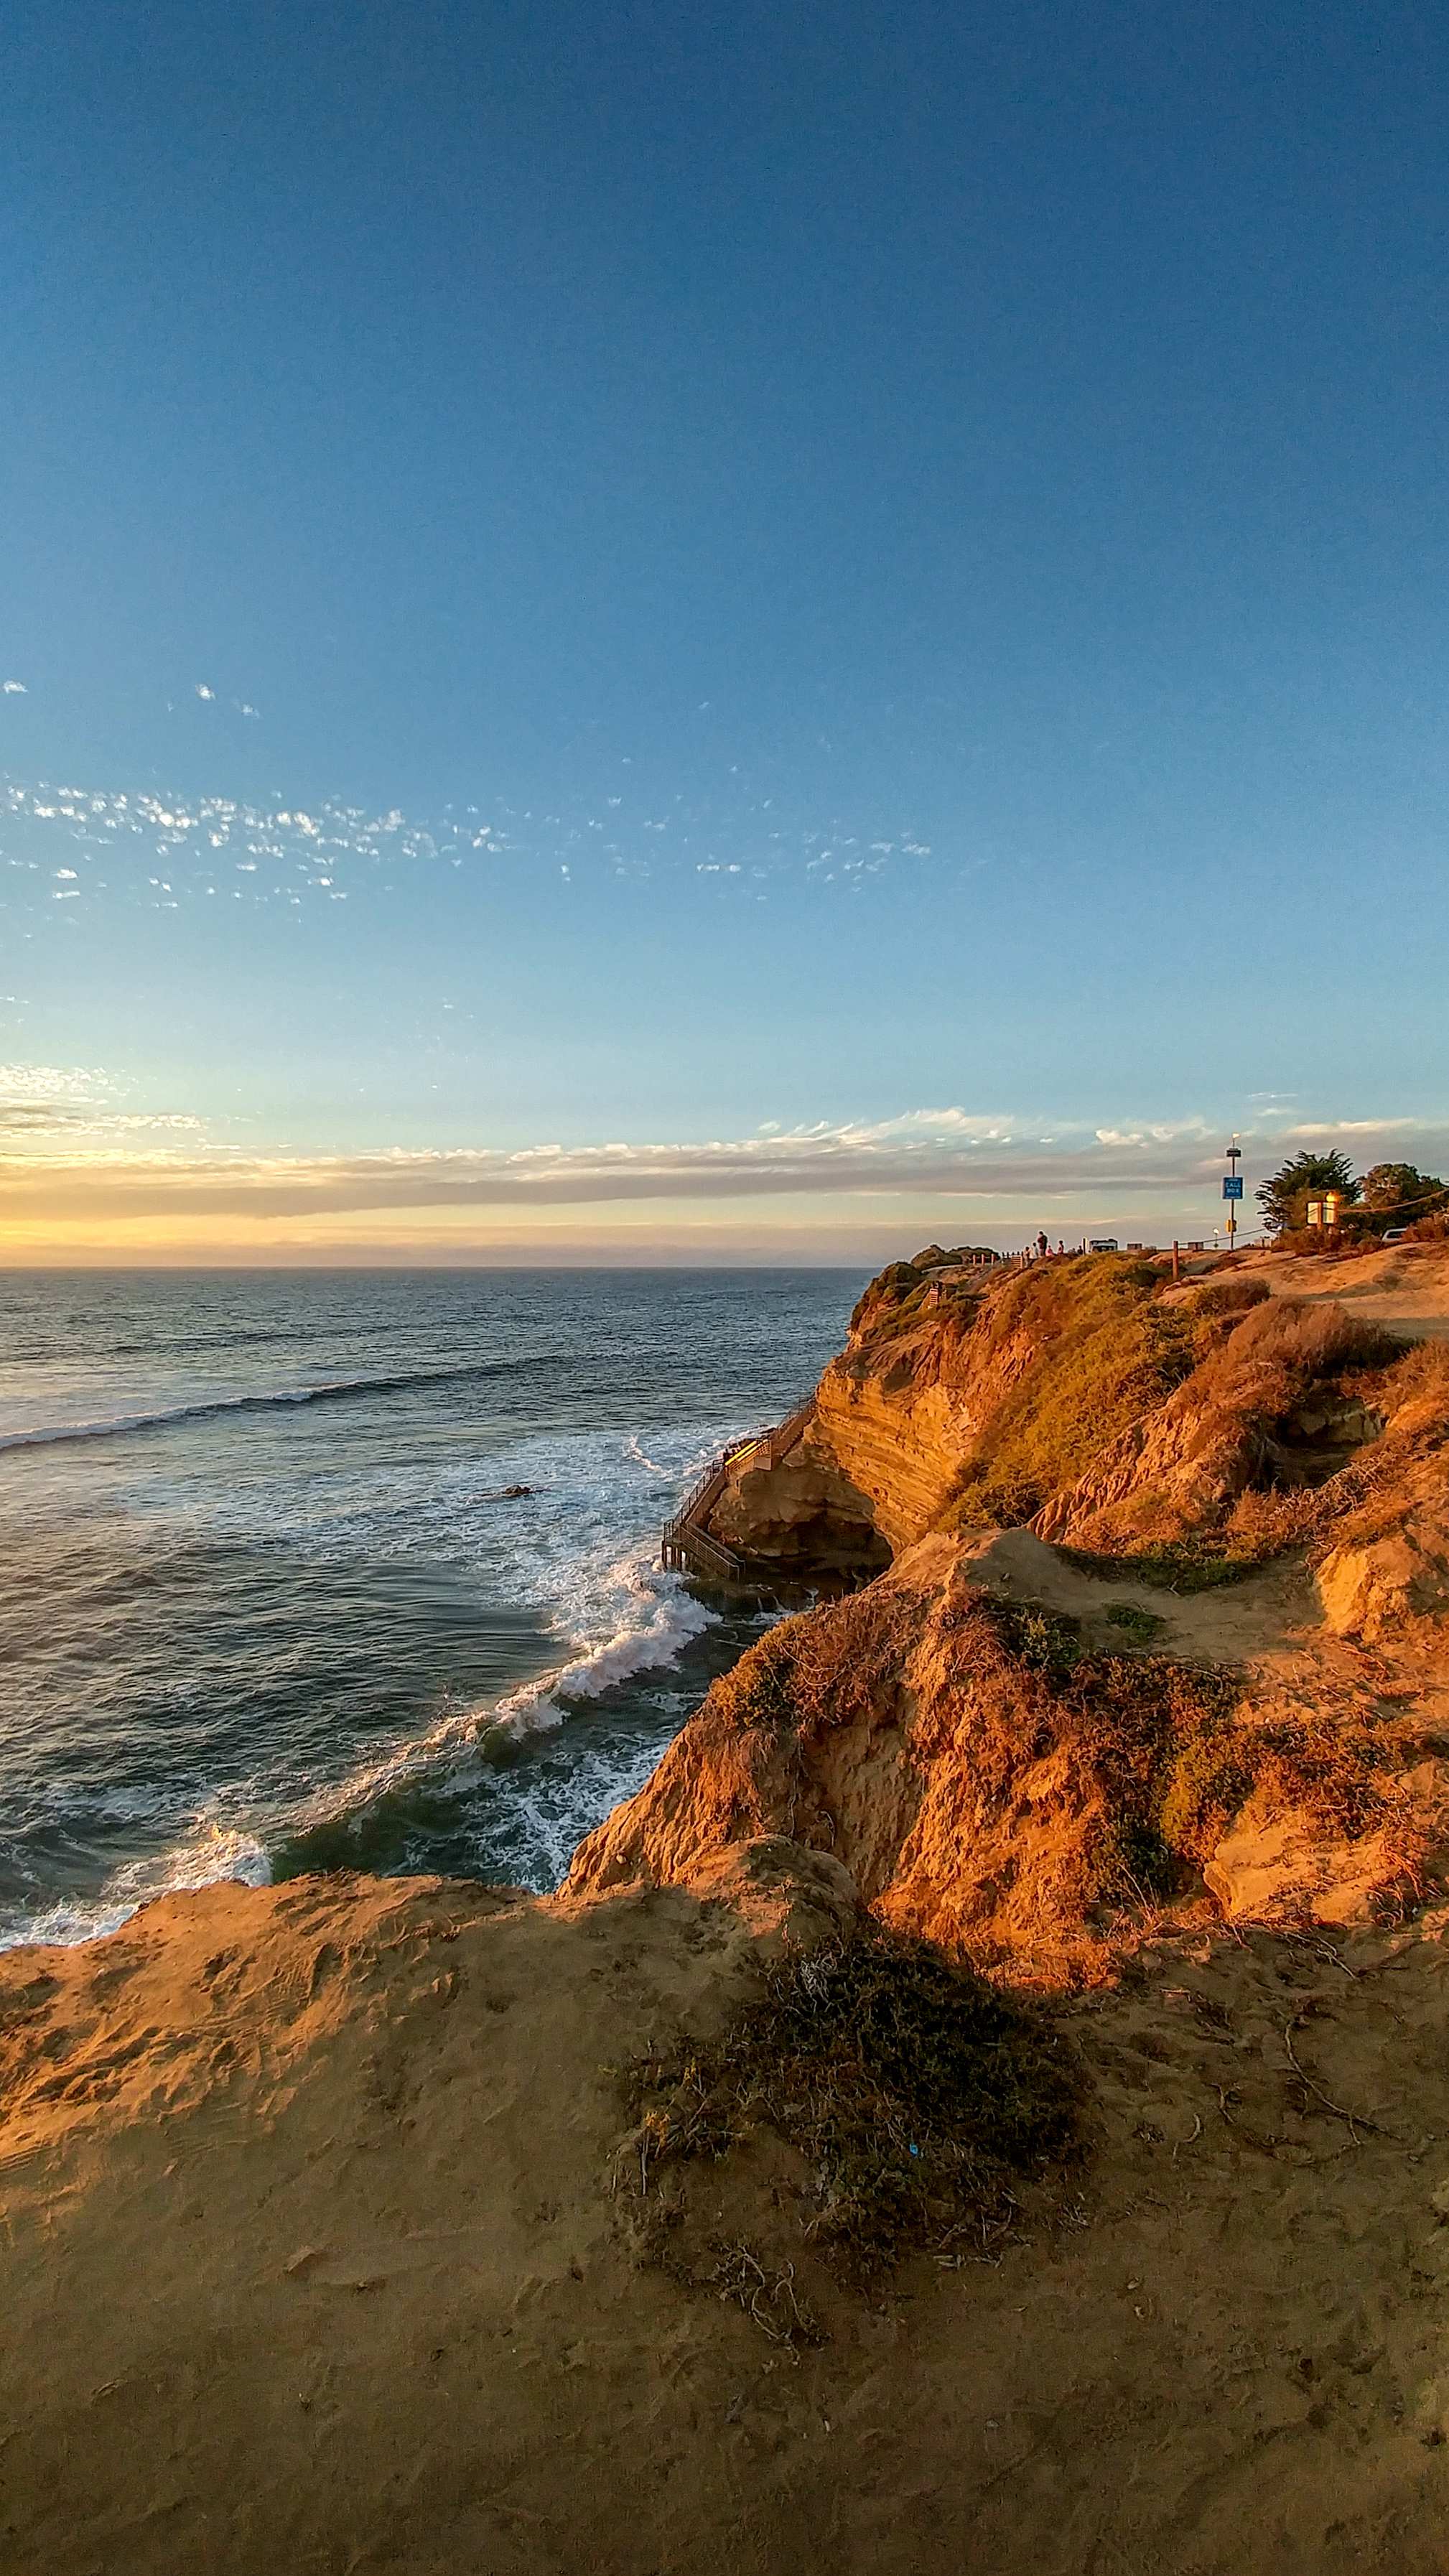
(748, 634)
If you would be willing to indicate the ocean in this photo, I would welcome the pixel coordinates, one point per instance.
(319, 1570)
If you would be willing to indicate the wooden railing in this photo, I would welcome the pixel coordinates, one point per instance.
(688, 1546)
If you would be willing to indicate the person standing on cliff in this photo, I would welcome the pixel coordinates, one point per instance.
(1042, 1247)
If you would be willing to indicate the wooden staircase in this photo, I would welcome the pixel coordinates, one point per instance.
(687, 1546)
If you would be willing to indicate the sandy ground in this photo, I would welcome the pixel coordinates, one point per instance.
(311, 2263)
(1406, 1286)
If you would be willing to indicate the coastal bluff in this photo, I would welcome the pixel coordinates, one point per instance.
(336, 2237)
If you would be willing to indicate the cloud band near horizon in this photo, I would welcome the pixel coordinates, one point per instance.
(74, 1170)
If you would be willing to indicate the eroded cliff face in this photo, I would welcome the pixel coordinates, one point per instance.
(1009, 1746)
(896, 1418)
(802, 1517)
(1011, 1779)
(1085, 1398)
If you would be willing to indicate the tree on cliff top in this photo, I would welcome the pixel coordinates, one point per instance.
(1401, 1189)
(1284, 1199)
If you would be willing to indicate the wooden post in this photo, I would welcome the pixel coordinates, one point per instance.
(1176, 1264)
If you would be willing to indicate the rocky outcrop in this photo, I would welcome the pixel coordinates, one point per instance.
(895, 1419)
(1390, 1565)
(1368, 1592)
(995, 1780)
(969, 1736)
(800, 1517)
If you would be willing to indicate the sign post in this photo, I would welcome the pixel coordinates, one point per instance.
(1233, 1189)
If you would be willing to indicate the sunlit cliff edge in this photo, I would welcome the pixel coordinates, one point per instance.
(335, 2238)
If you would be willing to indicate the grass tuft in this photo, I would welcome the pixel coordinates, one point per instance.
(1140, 1627)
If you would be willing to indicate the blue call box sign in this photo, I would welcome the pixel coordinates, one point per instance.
(1233, 1185)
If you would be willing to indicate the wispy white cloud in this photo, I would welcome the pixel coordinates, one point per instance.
(71, 1114)
(52, 1082)
(13, 689)
(731, 846)
(82, 1157)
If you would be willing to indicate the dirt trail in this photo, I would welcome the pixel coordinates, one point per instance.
(1405, 1287)
(1230, 1624)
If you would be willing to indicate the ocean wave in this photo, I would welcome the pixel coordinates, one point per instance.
(116, 1426)
(206, 1856)
(655, 1619)
(661, 1619)
(666, 1620)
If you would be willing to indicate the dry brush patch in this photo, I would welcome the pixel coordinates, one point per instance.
(1259, 1450)
(914, 2096)
(826, 1667)
(1174, 1751)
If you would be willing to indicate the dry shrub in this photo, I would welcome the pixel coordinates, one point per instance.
(1175, 1757)
(826, 1667)
(1129, 1723)
(1327, 1769)
(913, 2093)
(1198, 1563)
(1264, 1525)
(1225, 1297)
(1310, 1338)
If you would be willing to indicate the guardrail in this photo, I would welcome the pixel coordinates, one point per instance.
(687, 1546)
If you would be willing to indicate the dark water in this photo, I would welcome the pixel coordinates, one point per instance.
(266, 1603)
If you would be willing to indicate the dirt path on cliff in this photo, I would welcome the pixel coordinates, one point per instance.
(1230, 1624)
(1405, 1287)
(310, 2261)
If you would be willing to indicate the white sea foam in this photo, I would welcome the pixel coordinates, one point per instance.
(209, 1854)
(635, 1449)
(660, 1621)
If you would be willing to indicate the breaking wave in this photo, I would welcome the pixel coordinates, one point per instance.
(209, 1854)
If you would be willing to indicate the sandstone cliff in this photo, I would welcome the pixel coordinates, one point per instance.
(1111, 1411)
(1009, 1750)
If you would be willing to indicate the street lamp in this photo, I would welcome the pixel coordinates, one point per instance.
(1233, 1189)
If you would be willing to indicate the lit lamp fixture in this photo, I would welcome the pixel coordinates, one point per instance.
(1330, 1208)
